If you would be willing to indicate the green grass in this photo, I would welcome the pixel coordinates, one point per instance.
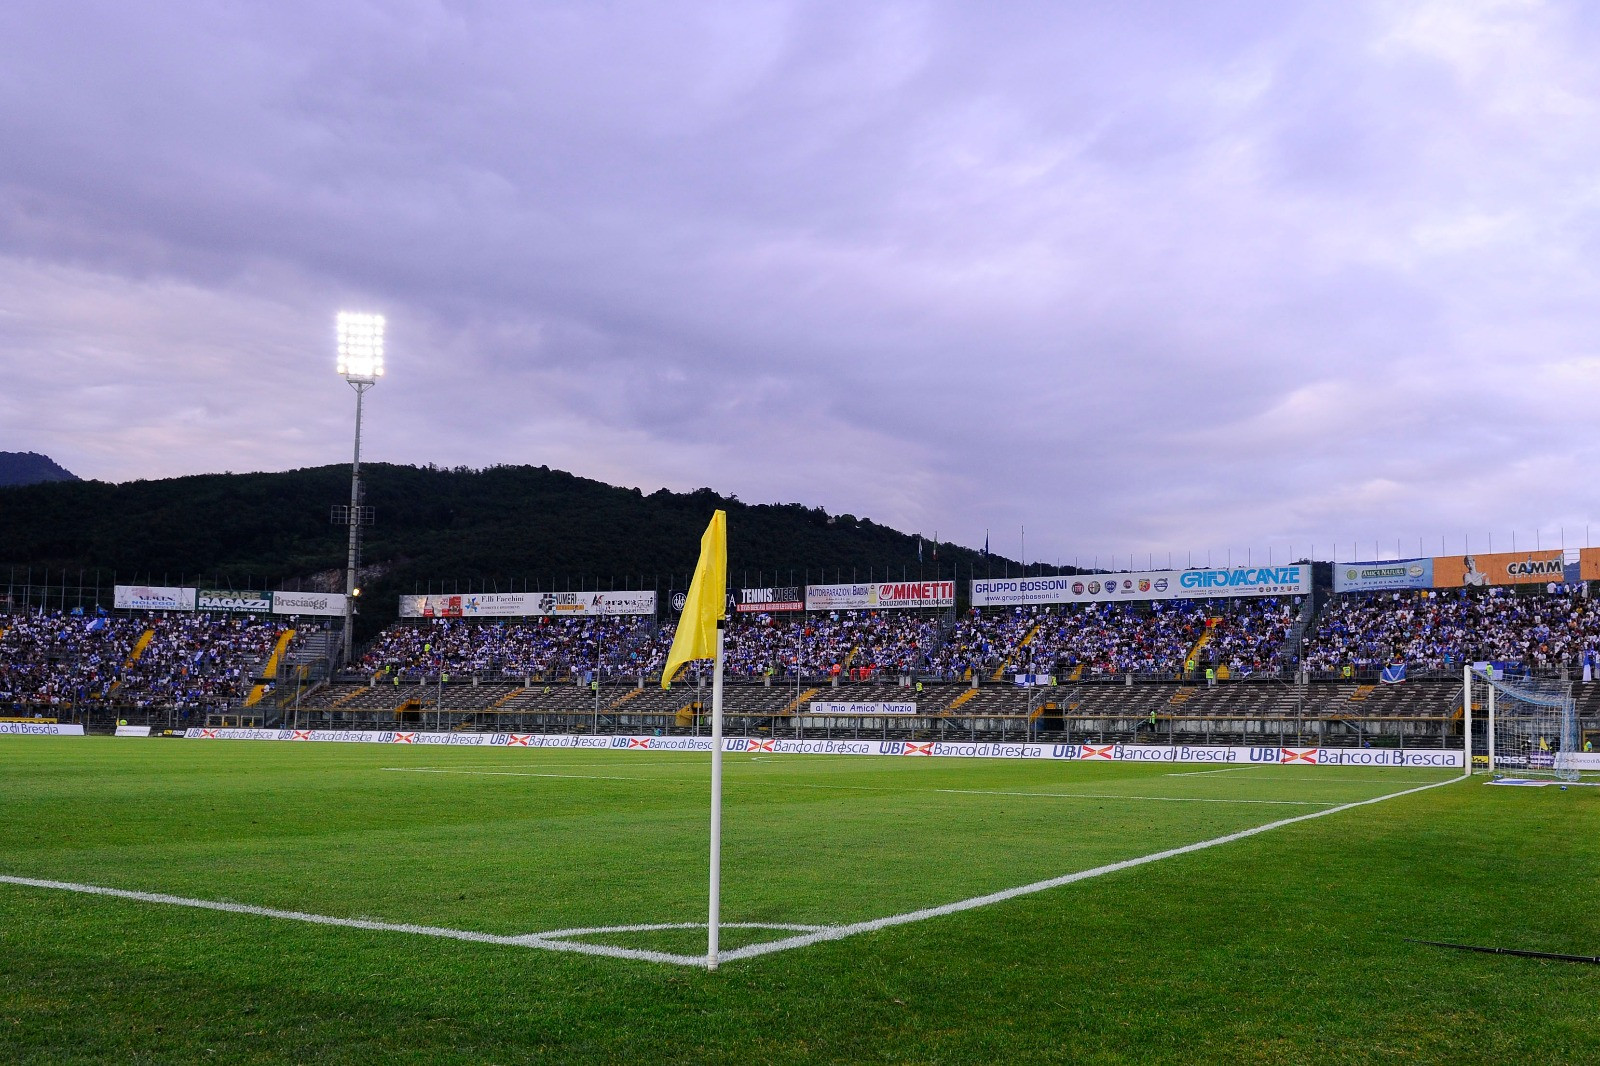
(1287, 946)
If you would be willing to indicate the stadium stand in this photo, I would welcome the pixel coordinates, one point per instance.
(1435, 631)
(1263, 669)
(194, 661)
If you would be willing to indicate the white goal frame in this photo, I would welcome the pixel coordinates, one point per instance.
(1510, 743)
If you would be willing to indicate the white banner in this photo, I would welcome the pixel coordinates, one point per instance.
(883, 594)
(527, 604)
(1292, 580)
(133, 730)
(1155, 753)
(862, 710)
(152, 598)
(322, 604)
(41, 729)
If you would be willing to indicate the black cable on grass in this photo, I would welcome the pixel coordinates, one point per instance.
(1523, 952)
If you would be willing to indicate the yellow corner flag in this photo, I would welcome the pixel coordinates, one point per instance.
(707, 601)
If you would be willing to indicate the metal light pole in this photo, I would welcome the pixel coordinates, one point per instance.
(360, 339)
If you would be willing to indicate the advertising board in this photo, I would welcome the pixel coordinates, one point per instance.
(152, 598)
(1383, 574)
(866, 596)
(784, 598)
(40, 729)
(1501, 568)
(1294, 579)
(320, 604)
(527, 604)
(228, 600)
(1205, 754)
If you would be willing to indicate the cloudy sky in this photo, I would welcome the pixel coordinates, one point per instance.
(1142, 277)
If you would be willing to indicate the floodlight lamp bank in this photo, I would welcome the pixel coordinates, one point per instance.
(360, 346)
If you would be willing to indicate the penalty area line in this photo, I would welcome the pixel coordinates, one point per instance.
(839, 932)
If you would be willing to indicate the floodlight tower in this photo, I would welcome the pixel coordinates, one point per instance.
(361, 365)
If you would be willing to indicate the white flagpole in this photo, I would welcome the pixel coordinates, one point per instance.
(713, 924)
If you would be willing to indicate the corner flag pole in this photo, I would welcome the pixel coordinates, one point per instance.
(713, 924)
(700, 633)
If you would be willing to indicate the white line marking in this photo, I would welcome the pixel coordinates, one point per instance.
(552, 942)
(1153, 799)
(1227, 770)
(839, 932)
(1065, 795)
(507, 773)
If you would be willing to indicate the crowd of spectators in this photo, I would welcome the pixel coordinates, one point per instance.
(196, 660)
(1249, 638)
(982, 642)
(1438, 630)
(191, 660)
(860, 645)
(1100, 640)
(444, 648)
(1116, 639)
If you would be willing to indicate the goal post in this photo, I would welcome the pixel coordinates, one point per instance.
(1532, 728)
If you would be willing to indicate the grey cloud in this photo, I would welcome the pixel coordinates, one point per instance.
(1143, 276)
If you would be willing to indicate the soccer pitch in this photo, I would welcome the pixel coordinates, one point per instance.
(463, 904)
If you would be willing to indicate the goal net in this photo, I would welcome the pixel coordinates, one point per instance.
(1533, 727)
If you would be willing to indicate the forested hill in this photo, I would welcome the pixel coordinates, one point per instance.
(499, 525)
(31, 468)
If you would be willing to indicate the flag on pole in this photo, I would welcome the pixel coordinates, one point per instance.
(707, 601)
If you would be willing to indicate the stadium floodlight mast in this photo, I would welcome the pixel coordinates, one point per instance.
(360, 347)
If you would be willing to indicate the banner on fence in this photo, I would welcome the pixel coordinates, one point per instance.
(1152, 753)
(152, 598)
(781, 598)
(527, 604)
(861, 710)
(321, 604)
(133, 731)
(867, 596)
(241, 602)
(1501, 568)
(1289, 580)
(1382, 574)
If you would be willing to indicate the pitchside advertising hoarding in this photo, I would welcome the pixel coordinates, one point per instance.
(1154, 753)
(528, 604)
(1380, 574)
(784, 598)
(1146, 585)
(877, 595)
